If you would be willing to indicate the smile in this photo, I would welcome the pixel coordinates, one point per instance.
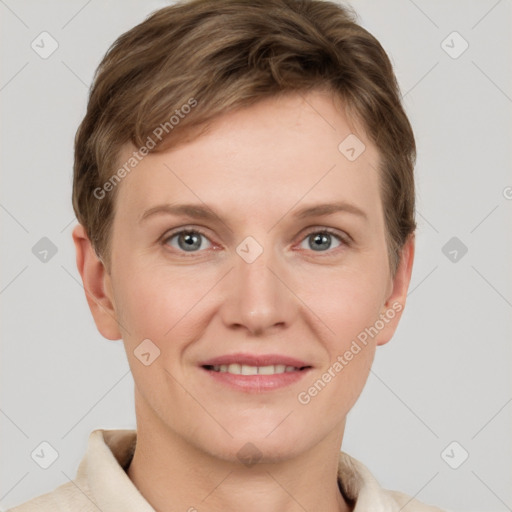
(254, 373)
(244, 369)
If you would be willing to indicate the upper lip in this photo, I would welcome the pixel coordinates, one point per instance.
(255, 360)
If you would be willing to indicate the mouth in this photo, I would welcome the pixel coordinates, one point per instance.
(245, 369)
(253, 373)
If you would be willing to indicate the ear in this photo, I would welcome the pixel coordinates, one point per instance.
(97, 285)
(395, 303)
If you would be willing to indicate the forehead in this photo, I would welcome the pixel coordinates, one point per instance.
(267, 156)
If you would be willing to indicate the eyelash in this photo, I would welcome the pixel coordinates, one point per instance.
(344, 240)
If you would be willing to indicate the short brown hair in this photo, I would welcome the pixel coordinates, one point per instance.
(219, 55)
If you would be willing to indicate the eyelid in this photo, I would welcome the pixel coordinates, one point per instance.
(176, 231)
(341, 235)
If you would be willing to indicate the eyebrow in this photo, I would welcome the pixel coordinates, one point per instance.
(197, 211)
(329, 209)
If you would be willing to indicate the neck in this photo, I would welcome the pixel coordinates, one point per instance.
(168, 470)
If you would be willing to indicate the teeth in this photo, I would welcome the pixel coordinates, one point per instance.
(247, 370)
(267, 370)
(244, 369)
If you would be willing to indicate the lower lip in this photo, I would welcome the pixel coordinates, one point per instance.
(257, 383)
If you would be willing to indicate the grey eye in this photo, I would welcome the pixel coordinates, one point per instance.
(189, 241)
(320, 241)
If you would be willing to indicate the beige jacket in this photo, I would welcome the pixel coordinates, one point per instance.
(102, 484)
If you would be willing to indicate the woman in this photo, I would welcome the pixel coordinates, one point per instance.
(245, 196)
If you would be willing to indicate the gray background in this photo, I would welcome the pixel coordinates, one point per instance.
(444, 377)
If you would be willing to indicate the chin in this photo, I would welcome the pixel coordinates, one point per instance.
(258, 444)
(250, 452)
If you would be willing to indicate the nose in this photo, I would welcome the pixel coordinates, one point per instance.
(257, 296)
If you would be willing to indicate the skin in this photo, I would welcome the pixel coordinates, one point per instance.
(254, 168)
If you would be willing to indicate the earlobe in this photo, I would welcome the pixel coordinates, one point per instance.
(395, 303)
(96, 282)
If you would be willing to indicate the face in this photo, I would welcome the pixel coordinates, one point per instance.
(254, 260)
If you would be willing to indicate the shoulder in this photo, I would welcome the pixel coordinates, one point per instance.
(359, 485)
(100, 478)
(407, 503)
(64, 498)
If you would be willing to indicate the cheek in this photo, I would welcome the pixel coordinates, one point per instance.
(345, 301)
(349, 305)
(156, 303)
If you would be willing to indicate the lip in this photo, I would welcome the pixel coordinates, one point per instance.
(255, 360)
(255, 383)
